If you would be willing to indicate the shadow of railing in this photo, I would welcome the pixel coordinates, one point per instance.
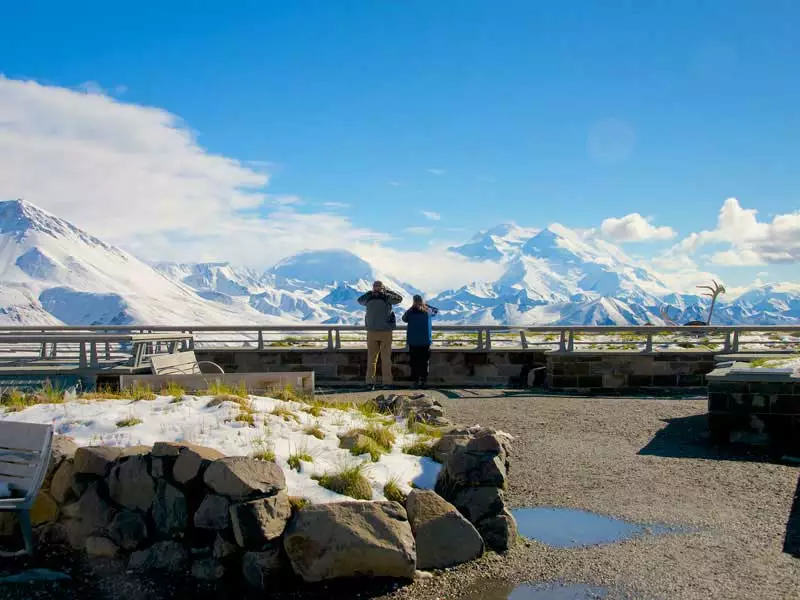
(791, 541)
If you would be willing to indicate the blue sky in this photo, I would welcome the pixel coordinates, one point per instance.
(482, 112)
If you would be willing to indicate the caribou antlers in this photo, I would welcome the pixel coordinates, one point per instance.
(713, 291)
(664, 312)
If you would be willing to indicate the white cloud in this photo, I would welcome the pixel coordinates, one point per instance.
(436, 171)
(431, 216)
(752, 242)
(419, 230)
(285, 199)
(336, 205)
(395, 183)
(634, 228)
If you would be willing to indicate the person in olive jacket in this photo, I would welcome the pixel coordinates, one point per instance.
(419, 336)
(380, 322)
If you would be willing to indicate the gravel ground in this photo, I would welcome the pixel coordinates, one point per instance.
(640, 459)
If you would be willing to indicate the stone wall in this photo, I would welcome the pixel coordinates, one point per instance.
(755, 409)
(628, 372)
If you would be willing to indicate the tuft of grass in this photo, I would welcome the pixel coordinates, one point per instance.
(285, 414)
(348, 481)
(173, 389)
(366, 445)
(392, 491)
(315, 410)
(419, 448)
(423, 428)
(265, 455)
(300, 454)
(298, 502)
(314, 430)
(218, 388)
(136, 392)
(369, 408)
(759, 362)
(49, 394)
(244, 403)
(129, 422)
(246, 417)
(14, 400)
(382, 434)
(263, 449)
(289, 394)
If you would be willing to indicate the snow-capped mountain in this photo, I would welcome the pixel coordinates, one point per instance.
(51, 272)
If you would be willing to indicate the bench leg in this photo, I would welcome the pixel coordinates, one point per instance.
(27, 531)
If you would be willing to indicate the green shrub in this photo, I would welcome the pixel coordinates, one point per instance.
(348, 481)
(129, 422)
(392, 491)
(419, 448)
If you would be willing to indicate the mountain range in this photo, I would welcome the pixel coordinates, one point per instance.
(51, 272)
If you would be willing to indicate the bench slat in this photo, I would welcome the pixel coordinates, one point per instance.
(179, 363)
(23, 436)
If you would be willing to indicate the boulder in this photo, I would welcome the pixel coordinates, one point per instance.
(159, 468)
(169, 510)
(499, 532)
(257, 522)
(171, 557)
(207, 569)
(128, 529)
(444, 446)
(346, 539)
(44, 509)
(135, 451)
(130, 484)
(90, 514)
(444, 538)
(167, 449)
(478, 503)
(242, 478)
(258, 568)
(62, 448)
(465, 468)
(191, 460)
(101, 546)
(95, 460)
(61, 483)
(213, 513)
(223, 548)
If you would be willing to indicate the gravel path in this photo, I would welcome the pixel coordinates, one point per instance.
(639, 459)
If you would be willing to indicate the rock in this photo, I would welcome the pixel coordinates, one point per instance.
(477, 503)
(241, 478)
(464, 468)
(207, 569)
(44, 509)
(130, 484)
(128, 529)
(158, 468)
(167, 449)
(161, 556)
(258, 568)
(169, 510)
(223, 548)
(101, 546)
(90, 514)
(95, 460)
(444, 538)
(62, 448)
(257, 522)
(191, 460)
(347, 539)
(135, 451)
(444, 446)
(213, 513)
(499, 532)
(61, 483)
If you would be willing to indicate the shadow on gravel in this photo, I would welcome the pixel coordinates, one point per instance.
(689, 437)
(791, 542)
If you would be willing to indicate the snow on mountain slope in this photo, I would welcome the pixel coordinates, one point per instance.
(51, 270)
(496, 244)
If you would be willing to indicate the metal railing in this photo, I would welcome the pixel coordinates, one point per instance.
(716, 339)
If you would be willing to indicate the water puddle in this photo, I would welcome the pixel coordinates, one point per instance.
(541, 591)
(34, 575)
(573, 528)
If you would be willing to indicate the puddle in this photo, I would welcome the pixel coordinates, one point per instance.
(32, 575)
(572, 528)
(541, 591)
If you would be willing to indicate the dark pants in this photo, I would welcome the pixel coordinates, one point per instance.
(419, 356)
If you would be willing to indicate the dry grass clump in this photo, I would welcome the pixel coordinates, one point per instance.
(348, 481)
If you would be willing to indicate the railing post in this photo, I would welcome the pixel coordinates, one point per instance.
(94, 360)
(108, 350)
(562, 341)
(487, 345)
(571, 342)
(82, 355)
(648, 345)
(727, 345)
(338, 338)
(735, 344)
(260, 339)
(523, 339)
(330, 339)
(480, 339)
(53, 351)
(43, 351)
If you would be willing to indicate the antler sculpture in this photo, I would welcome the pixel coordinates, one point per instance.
(664, 312)
(713, 291)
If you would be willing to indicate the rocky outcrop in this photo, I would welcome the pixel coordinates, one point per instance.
(95, 460)
(444, 537)
(130, 484)
(417, 407)
(257, 521)
(213, 513)
(241, 478)
(348, 539)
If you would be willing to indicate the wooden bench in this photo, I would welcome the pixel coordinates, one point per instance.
(24, 455)
(179, 363)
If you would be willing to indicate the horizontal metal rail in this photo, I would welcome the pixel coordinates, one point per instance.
(560, 338)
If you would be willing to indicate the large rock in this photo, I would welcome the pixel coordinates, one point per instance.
(444, 538)
(90, 514)
(347, 539)
(257, 522)
(171, 557)
(213, 513)
(101, 546)
(61, 483)
(135, 451)
(223, 548)
(499, 532)
(128, 529)
(464, 468)
(260, 568)
(170, 510)
(130, 484)
(62, 448)
(479, 503)
(167, 449)
(44, 509)
(242, 478)
(95, 460)
(207, 569)
(191, 460)
(445, 445)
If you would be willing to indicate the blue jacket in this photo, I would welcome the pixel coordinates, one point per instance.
(420, 328)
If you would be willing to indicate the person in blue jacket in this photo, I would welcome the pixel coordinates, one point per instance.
(419, 336)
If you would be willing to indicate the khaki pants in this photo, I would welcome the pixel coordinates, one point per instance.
(379, 343)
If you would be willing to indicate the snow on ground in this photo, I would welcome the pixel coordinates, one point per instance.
(94, 422)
